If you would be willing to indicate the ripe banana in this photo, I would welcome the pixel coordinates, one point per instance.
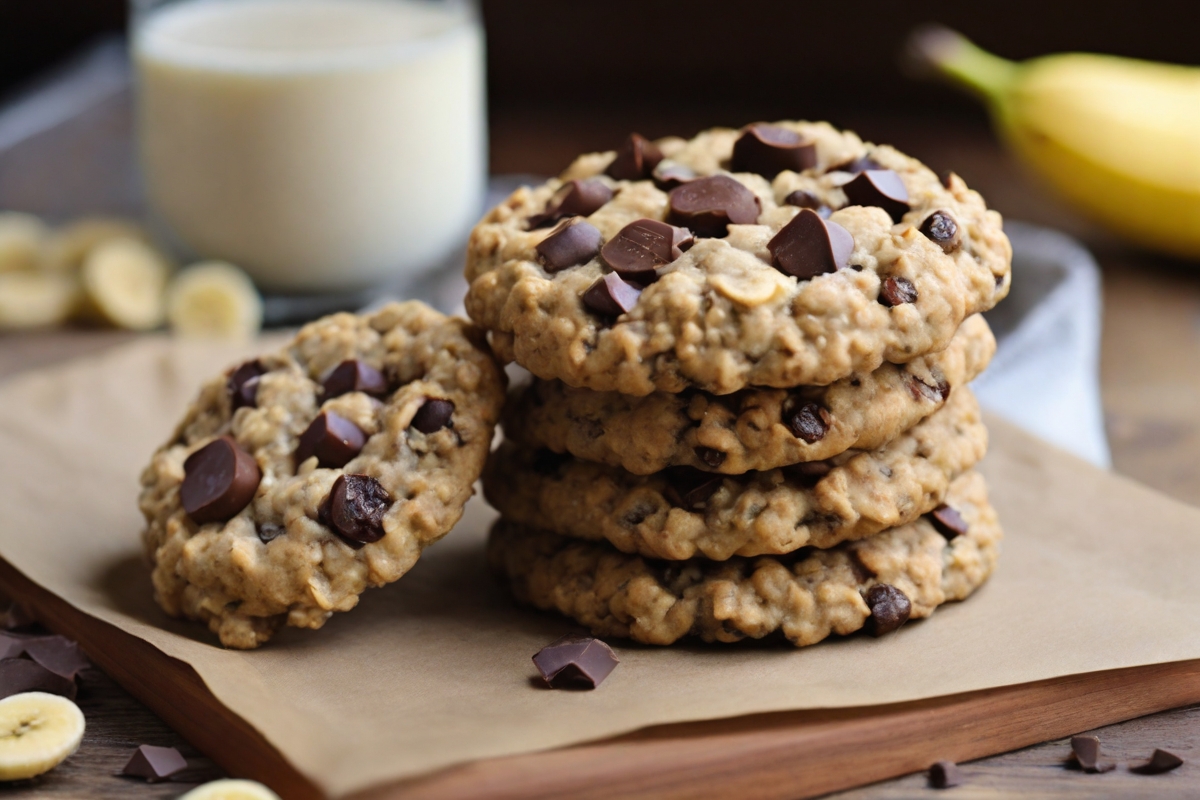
(23, 240)
(70, 245)
(1118, 137)
(124, 280)
(38, 731)
(214, 300)
(230, 789)
(36, 299)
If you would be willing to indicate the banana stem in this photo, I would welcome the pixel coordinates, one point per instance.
(959, 59)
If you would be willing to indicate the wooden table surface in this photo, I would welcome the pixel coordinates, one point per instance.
(1150, 381)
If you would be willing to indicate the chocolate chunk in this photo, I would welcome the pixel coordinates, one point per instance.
(219, 480)
(644, 245)
(154, 763)
(354, 375)
(573, 199)
(575, 241)
(1162, 761)
(575, 661)
(809, 246)
(941, 229)
(896, 291)
(433, 415)
(889, 609)
(710, 456)
(948, 522)
(944, 774)
(690, 488)
(809, 422)
(611, 296)
(333, 439)
(707, 206)
(269, 531)
(805, 199)
(58, 654)
(354, 509)
(1086, 750)
(920, 390)
(769, 150)
(242, 384)
(856, 165)
(635, 160)
(19, 675)
(11, 646)
(669, 174)
(879, 187)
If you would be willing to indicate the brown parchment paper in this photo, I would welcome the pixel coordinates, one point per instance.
(1097, 573)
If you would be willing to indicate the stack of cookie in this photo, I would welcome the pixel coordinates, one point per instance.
(750, 413)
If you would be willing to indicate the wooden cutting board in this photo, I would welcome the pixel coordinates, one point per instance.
(779, 755)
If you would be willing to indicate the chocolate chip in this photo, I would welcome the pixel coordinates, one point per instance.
(575, 661)
(644, 245)
(575, 241)
(669, 174)
(19, 675)
(433, 415)
(944, 774)
(690, 488)
(809, 422)
(333, 439)
(1162, 761)
(707, 206)
(1086, 750)
(611, 296)
(635, 160)
(879, 187)
(897, 291)
(58, 654)
(769, 150)
(889, 609)
(269, 531)
(354, 375)
(154, 763)
(856, 165)
(809, 246)
(242, 384)
(354, 509)
(710, 456)
(573, 199)
(219, 480)
(802, 198)
(941, 229)
(948, 522)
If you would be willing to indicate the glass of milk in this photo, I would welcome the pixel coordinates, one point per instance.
(322, 145)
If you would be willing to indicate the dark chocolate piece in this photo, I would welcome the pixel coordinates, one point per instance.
(642, 246)
(809, 246)
(154, 763)
(1086, 750)
(354, 375)
(669, 174)
(879, 187)
(573, 199)
(635, 160)
(11, 646)
(944, 774)
(575, 661)
(856, 165)
(710, 456)
(920, 390)
(58, 654)
(1162, 761)
(769, 150)
(941, 229)
(948, 522)
(219, 480)
(707, 206)
(354, 509)
(575, 241)
(690, 488)
(433, 415)
(269, 531)
(802, 198)
(611, 295)
(809, 422)
(333, 439)
(19, 675)
(889, 606)
(896, 290)
(242, 384)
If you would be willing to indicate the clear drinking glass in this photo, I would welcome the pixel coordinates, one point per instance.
(321, 145)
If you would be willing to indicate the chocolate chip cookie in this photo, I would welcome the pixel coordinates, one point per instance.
(682, 512)
(297, 480)
(753, 429)
(779, 255)
(877, 584)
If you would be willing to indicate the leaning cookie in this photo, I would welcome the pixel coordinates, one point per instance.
(682, 512)
(878, 583)
(297, 480)
(780, 255)
(754, 429)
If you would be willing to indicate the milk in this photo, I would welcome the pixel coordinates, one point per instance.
(319, 144)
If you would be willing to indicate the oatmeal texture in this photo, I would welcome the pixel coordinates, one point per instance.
(274, 563)
(721, 317)
(770, 512)
(747, 430)
(804, 597)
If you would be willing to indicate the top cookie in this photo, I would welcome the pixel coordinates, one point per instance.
(297, 480)
(760, 289)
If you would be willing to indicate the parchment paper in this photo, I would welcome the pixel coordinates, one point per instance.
(1097, 573)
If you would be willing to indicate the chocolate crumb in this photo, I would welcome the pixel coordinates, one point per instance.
(945, 774)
